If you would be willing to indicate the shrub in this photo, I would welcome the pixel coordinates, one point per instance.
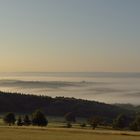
(83, 125)
(94, 121)
(26, 120)
(70, 117)
(69, 125)
(19, 121)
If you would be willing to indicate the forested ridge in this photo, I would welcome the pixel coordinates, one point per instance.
(58, 106)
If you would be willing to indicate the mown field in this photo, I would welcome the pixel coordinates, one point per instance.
(36, 133)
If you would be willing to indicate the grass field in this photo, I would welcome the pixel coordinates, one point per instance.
(36, 133)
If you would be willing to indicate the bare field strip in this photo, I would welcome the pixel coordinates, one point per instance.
(36, 133)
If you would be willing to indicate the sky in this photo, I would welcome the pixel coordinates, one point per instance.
(69, 35)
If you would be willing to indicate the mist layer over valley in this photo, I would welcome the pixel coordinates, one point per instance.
(103, 87)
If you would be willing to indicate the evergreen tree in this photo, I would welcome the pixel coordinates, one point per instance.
(135, 125)
(120, 122)
(39, 119)
(9, 118)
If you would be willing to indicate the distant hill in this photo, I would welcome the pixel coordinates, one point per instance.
(59, 106)
(129, 107)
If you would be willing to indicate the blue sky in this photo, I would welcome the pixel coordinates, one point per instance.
(69, 35)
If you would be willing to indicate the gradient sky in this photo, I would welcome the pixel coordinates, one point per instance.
(70, 35)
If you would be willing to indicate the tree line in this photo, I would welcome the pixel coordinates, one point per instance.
(121, 122)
